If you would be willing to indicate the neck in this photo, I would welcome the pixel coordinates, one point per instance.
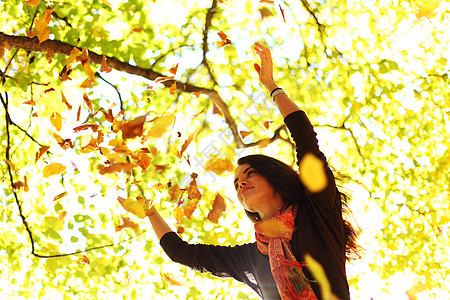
(270, 211)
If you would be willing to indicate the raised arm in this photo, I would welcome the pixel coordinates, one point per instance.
(265, 72)
(159, 225)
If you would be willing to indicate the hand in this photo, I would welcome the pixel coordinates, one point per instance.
(265, 70)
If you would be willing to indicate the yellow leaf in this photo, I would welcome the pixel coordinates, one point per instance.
(53, 169)
(427, 8)
(312, 173)
(59, 196)
(64, 100)
(56, 120)
(271, 228)
(126, 223)
(265, 13)
(159, 186)
(178, 214)
(190, 207)
(25, 184)
(219, 165)
(83, 260)
(160, 125)
(62, 215)
(41, 25)
(117, 167)
(135, 207)
(318, 273)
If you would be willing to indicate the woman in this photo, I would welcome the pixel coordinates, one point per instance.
(271, 190)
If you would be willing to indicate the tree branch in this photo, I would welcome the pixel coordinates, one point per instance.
(209, 15)
(32, 44)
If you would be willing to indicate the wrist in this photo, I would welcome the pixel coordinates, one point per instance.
(270, 86)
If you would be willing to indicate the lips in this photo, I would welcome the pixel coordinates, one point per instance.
(245, 189)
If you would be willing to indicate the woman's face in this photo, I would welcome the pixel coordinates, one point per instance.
(254, 191)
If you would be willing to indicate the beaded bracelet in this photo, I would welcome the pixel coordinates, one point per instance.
(275, 89)
(277, 92)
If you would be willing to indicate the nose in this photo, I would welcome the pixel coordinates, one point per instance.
(241, 184)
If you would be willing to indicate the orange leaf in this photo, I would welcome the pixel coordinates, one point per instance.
(104, 67)
(244, 134)
(30, 102)
(190, 207)
(271, 228)
(41, 152)
(83, 260)
(87, 83)
(174, 69)
(219, 206)
(53, 169)
(25, 184)
(94, 127)
(143, 160)
(158, 186)
(160, 168)
(56, 120)
(62, 215)
(224, 40)
(312, 173)
(267, 124)
(265, 13)
(59, 196)
(17, 185)
(33, 2)
(137, 29)
(217, 110)
(78, 113)
(173, 88)
(171, 280)
(282, 13)
(41, 25)
(266, 2)
(219, 165)
(174, 192)
(88, 102)
(126, 223)
(64, 100)
(187, 142)
(162, 79)
(133, 128)
(117, 167)
(49, 56)
(197, 94)
(193, 192)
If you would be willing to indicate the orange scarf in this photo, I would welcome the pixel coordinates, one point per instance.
(286, 270)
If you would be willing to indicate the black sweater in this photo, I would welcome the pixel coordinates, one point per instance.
(319, 231)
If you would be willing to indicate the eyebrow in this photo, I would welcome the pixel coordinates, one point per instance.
(245, 172)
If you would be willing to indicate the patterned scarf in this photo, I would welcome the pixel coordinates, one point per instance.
(287, 272)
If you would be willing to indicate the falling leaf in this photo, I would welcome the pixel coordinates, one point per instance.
(193, 192)
(162, 79)
(197, 94)
(190, 207)
(33, 2)
(267, 124)
(271, 228)
(53, 169)
(94, 127)
(41, 25)
(271, 2)
(17, 185)
(318, 273)
(180, 230)
(171, 280)
(174, 192)
(160, 125)
(187, 142)
(62, 215)
(178, 214)
(108, 115)
(10, 163)
(173, 88)
(160, 168)
(29, 102)
(282, 13)
(133, 206)
(79, 113)
(126, 223)
(224, 40)
(312, 173)
(104, 67)
(158, 186)
(56, 120)
(217, 110)
(49, 56)
(133, 128)
(174, 69)
(83, 260)
(41, 152)
(49, 90)
(143, 160)
(219, 206)
(219, 165)
(265, 12)
(25, 184)
(64, 100)
(244, 134)
(117, 167)
(427, 9)
(59, 196)
(87, 83)
(88, 102)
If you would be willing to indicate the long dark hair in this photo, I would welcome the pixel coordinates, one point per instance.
(285, 181)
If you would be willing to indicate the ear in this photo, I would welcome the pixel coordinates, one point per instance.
(257, 67)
